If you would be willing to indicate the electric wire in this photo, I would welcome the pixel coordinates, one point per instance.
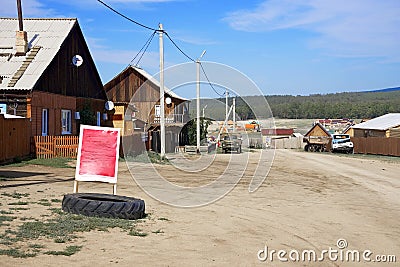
(172, 41)
(208, 80)
(145, 46)
(122, 15)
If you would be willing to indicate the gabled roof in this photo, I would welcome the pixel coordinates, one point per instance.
(45, 37)
(382, 123)
(320, 126)
(157, 83)
(148, 77)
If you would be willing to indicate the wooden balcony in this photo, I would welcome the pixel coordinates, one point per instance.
(170, 119)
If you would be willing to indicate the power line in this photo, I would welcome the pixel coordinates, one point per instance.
(201, 65)
(122, 15)
(191, 59)
(145, 46)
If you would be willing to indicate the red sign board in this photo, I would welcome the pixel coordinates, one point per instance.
(98, 154)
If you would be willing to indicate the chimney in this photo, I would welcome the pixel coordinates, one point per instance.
(21, 43)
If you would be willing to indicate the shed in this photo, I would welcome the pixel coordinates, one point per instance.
(318, 130)
(387, 125)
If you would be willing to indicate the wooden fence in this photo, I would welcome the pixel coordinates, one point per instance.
(56, 146)
(377, 145)
(14, 138)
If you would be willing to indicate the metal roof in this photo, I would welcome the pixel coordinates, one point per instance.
(383, 123)
(46, 34)
(157, 83)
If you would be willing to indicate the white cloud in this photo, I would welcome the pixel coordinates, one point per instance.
(356, 27)
(30, 8)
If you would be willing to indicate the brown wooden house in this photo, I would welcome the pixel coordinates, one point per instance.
(136, 96)
(378, 136)
(48, 75)
(318, 138)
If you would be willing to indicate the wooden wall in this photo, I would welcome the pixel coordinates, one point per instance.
(369, 133)
(130, 86)
(377, 145)
(14, 138)
(54, 103)
(62, 77)
(317, 131)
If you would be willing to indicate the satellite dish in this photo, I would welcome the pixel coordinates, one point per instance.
(168, 100)
(109, 105)
(77, 60)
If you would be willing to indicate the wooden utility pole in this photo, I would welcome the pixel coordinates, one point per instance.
(162, 115)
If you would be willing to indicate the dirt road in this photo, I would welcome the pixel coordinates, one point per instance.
(308, 202)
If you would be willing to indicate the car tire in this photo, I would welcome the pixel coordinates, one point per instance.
(104, 205)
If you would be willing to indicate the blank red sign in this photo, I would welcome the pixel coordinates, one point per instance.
(98, 155)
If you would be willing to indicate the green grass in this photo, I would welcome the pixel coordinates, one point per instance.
(15, 195)
(159, 231)
(56, 200)
(135, 232)
(16, 253)
(64, 226)
(44, 202)
(6, 212)
(4, 178)
(19, 208)
(37, 246)
(371, 157)
(163, 219)
(19, 203)
(56, 211)
(60, 227)
(54, 162)
(68, 251)
(4, 218)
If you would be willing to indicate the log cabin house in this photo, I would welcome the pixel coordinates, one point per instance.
(47, 74)
(136, 97)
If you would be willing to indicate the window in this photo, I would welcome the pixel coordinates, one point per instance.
(45, 122)
(157, 110)
(66, 121)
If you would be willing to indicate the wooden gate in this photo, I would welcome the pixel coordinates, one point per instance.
(56, 146)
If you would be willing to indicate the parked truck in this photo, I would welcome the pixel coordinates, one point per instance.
(316, 143)
(231, 142)
(335, 143)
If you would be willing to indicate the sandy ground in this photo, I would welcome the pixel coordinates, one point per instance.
(307, 202)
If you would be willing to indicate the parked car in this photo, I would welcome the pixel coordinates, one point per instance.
(342, 143)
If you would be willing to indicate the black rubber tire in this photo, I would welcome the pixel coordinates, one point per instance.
(104, 205)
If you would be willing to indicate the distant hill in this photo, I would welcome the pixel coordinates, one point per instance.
(385, 90)
(354, 105)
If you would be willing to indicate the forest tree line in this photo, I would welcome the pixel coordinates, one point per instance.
(340, 105)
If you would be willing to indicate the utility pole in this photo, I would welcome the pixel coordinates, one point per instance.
(226, 104)
(162, 116)
(234, 113)
(203, 110)
(198, 103)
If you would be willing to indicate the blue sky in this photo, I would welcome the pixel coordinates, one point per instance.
(284, 46)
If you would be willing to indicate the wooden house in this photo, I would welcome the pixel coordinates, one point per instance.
(48, 75)
(136, 97)
(384, 126)
(379, 136)
(317, 138)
